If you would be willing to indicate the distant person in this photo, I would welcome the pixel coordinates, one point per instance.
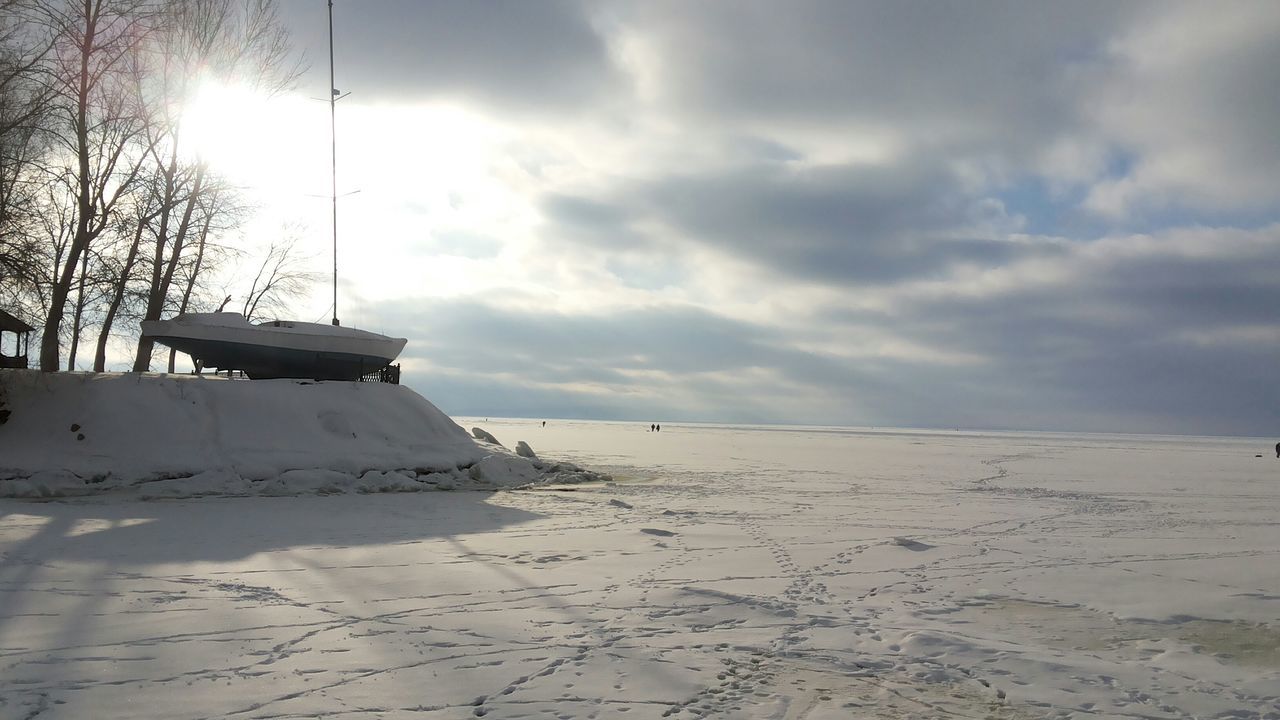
(1278, 450)
(659, 429)
(544, 423)
(652, 426)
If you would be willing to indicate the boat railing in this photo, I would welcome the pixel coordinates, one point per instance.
(388, 374)
(228, 374)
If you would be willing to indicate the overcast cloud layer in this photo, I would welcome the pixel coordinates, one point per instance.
(996, 215)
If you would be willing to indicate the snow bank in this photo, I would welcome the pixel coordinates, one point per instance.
(186, 436)
(483, 435)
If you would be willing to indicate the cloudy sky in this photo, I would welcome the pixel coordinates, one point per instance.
(978, 215)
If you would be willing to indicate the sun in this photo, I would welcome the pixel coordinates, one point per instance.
(414, 179)
(217, 126)
(252, 138)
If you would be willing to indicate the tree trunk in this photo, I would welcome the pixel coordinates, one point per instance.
(191, 282)
(160, 283)
(49, 345)
(78, 315)
(117, 298)
(142, 358)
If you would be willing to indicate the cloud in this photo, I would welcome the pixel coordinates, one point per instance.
(1006, 215)
(996, 77)
(1152, 333)
(1191, 93)
(1133, 327)
(660, 361)
(1183, 94)
(502, 53)
(836, 224)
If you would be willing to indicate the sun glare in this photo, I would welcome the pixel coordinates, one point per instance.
(414, 176)
(248, 136)
(217, 124)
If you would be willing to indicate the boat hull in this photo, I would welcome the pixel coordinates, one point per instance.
(280, 350)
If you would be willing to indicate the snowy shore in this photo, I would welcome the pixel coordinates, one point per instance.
(70, 434)
(727, 572)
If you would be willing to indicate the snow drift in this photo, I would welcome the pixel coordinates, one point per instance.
(183, 435)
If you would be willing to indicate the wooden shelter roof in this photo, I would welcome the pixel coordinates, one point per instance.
(13, 324)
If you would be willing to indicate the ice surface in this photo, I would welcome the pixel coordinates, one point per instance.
(728, 573)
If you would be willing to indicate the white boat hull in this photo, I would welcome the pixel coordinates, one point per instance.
(276, 349)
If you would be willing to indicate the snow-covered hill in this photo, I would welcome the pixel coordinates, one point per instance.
(182, 435)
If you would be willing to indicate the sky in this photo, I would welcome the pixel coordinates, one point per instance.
(1004, 215)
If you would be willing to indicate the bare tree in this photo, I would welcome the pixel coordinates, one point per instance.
(92, 170)
(24, 104)
(96, 122)
(133, 230)
(172, 240)
(53, 227)
(221, 204)
(24, 46)
(281, 277)
(244, 40)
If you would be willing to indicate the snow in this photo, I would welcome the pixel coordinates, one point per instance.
(236, 320)
(182, 436)
(483, 436)
(726, 572)
(218, 319)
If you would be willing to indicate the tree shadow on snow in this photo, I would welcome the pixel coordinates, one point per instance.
(142, 533)
(81, 561)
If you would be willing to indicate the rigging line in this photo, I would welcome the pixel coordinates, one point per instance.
(333, 175)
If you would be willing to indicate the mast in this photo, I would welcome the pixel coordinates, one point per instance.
(333, 153)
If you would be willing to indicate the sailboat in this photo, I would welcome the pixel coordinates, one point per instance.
(284, 348)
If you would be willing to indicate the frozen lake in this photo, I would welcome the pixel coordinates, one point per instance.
(727, 572)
